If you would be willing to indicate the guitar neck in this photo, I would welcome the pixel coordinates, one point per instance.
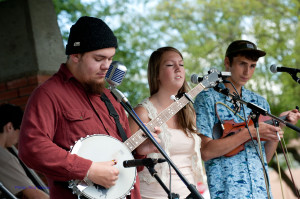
(138, 138)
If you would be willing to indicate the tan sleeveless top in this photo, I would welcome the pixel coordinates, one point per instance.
(184, 151)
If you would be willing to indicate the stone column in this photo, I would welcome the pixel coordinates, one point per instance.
(31, 47)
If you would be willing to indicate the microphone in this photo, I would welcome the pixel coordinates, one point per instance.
(195, 79)
(148, 162)
(114, 76)
(274, 69)
(115, 73)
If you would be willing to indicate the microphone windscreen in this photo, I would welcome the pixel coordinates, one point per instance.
(273, 68)
(115, 73)
(194, 79)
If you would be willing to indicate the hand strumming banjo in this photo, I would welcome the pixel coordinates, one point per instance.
(100, 148)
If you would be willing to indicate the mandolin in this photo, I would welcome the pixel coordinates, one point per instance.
(231, 128)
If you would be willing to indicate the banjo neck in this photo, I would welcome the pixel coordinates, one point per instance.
(138, 138)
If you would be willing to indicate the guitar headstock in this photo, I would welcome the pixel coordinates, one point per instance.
(214, 77)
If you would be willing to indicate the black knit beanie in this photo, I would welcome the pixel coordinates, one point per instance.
(88, 34)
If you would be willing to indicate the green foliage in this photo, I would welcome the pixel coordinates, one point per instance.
(202, 30)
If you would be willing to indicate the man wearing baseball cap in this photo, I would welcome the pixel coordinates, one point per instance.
(235, 172)
(70, 106)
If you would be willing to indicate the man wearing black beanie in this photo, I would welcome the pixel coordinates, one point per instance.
(68, 107)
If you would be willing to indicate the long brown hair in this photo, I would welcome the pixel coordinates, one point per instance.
(186, 116)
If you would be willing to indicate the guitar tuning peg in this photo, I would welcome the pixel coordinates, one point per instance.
(172, 97)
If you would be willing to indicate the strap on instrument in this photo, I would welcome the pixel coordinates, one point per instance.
(114, 114)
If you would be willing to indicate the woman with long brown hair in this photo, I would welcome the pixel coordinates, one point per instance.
(179, 137)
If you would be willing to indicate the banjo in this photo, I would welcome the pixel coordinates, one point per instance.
(92, 147)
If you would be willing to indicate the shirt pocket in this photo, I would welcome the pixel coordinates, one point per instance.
(77, 115)
(78, 124)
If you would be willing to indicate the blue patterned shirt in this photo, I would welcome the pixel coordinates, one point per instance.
(239, 176)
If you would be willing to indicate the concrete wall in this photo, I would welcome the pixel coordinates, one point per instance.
(31, 47)
(30, 38)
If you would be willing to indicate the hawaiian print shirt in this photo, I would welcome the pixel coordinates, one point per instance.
(239, 176)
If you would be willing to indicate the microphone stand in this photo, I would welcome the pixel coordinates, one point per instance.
(255, 108)
(124, 102)
(255, 116)
(153, 173)
(256, 111)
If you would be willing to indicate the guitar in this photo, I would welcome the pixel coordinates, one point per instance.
(231, 128)
(92, 147)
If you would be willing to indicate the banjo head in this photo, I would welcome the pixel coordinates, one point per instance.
(101, 148)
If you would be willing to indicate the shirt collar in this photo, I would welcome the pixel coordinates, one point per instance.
(67, 75)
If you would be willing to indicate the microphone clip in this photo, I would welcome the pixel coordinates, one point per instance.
(234, 98)
(235, 101)
(224, 91)
(295, 77)
(153, 162)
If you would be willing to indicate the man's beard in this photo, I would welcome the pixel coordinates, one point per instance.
(92, 87)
